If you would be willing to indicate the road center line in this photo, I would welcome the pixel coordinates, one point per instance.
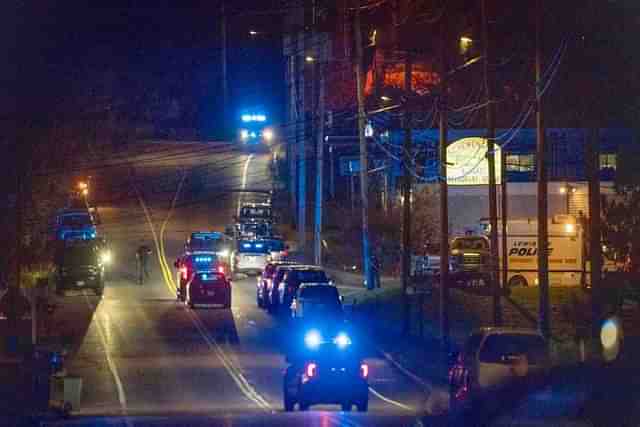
(244, 179)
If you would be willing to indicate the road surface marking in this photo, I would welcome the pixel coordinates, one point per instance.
(244, 179)
(155, 238)
(390, 401)
(122, 397)
(234, 371)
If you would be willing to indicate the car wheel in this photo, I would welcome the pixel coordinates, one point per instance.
(517, 281)
(364, 405)
(346, 407)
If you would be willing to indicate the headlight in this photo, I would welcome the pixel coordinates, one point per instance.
(267, 134)
(224, 253)
(313, 339)
(244, 134)
(342, 340)
(105, 257)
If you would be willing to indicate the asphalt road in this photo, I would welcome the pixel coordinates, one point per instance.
(144, 356)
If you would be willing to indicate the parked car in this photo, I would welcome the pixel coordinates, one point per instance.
(491, 358)
(272, 301)
(251, 256)
(295, 277)
(323, 301)
(265, 281)
(208, 288)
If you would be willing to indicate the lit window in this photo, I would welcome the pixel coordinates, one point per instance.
(608, 161)
(521, 162)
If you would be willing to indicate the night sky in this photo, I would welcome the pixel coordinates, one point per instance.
(72, 55)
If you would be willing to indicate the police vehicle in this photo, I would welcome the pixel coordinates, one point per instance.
(255, 131)
(325, 366)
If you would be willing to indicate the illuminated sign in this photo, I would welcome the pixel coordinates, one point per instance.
(467, 162)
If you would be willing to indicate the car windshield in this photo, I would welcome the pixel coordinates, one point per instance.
(309, 276)
(76, 220)
(470, 243)
(502, 348)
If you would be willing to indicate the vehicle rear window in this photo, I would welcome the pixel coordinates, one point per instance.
(210, 277)
(502, 348)
(320, 293)
(310, 276)
(212, 245)
(76, 220)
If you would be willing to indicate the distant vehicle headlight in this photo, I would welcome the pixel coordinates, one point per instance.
(105, 257)
(342, 340)
(313, 339)
(267, 134)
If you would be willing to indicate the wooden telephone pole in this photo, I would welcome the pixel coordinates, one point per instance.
(491, 159)
(541, 154)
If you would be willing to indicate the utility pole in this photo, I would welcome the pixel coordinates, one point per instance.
(364, 187)
(444, 208)
(543, 238)
(225, 82)
(319, 146)
(504, 214)
(302, 162)
(293, 120)
(406, 196)
(491, 159)
(595, 248)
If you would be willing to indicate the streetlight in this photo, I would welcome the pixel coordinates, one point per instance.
(465, 44)
(253, 33)
(309, 58)
(385, 98)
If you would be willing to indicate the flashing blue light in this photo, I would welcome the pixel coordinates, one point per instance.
(342, 340)
(253, 118)
(204, 259)
(246, 245)
(253, 134)
(259, 245)
(313, 339)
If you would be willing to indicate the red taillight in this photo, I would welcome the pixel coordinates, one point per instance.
(312, 370)
(184, 272)
(220, 269)
(364, 370)
(285, 253)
